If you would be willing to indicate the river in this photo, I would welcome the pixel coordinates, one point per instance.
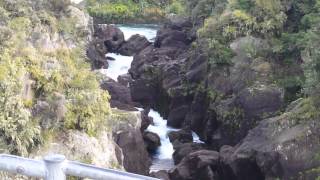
(162, 159)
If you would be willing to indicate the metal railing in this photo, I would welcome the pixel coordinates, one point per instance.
(56, 167)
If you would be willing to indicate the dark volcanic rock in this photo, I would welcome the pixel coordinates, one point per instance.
(125, 79)
(197, 165)
(183, 136)
(182, 150)
(110, 58)
(145, 119)
(120, 95)
(177, 116)
(134, 45)
(279, 147)
(110, 35)
(96, 53)
(152, 141)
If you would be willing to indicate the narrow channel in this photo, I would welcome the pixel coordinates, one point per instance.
(162, 159)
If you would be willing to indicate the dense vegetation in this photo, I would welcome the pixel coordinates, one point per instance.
(45, 85)
(291, 28)
(133, 11)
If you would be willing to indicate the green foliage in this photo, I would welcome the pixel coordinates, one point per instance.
(176, 7)
(58, 73)
(128, 11)
(115, 12)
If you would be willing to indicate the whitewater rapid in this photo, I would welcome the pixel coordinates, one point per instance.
(162, 159)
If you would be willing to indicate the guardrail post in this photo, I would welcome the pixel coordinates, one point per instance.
(54, 165)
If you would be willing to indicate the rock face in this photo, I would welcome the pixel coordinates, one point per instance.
(134, 45)
(280, 147)
(197, 165)
(146, 120)
(111, 36)
(220, 103)
(183, 136)
(100, 150)
(120, 95)
(128, 137)
(106, 38)
(152, 141)
(182, 150)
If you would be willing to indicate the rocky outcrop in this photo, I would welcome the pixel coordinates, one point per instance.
(197, 165)
(120, 95)
(146, 120)
(128, 136)
(182, 136)
(220, 103)
(182, 150)
(106, 38)
(110, 35)
(152, 141)
(124, 79)
(282, 147)
(134, 45)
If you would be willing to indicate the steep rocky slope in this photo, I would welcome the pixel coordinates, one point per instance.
(51, 100)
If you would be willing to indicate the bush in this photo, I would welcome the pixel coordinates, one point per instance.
(176, 7)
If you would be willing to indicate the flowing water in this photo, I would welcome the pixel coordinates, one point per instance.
(162, 159)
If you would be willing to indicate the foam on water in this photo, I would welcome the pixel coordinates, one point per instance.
(119, 66)
(149, 31)
(163, 157)
(160, 127)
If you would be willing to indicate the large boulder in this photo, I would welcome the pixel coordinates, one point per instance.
(183, 136)
(110, 35)
(152, 141)
(120, 95)
(182, 150)
(285, 147)
(134, 45)
(127, 135)
(124, 79)
(197, 165)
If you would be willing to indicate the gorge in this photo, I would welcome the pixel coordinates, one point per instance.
(207, 90)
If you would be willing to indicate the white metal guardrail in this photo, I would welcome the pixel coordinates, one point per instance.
(56, 167)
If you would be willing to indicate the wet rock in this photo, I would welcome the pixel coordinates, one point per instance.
(152, 141)
(120, 95)
(182, 150)
(161, 175)
(134, 45)
(110, 58)
(183, 136)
